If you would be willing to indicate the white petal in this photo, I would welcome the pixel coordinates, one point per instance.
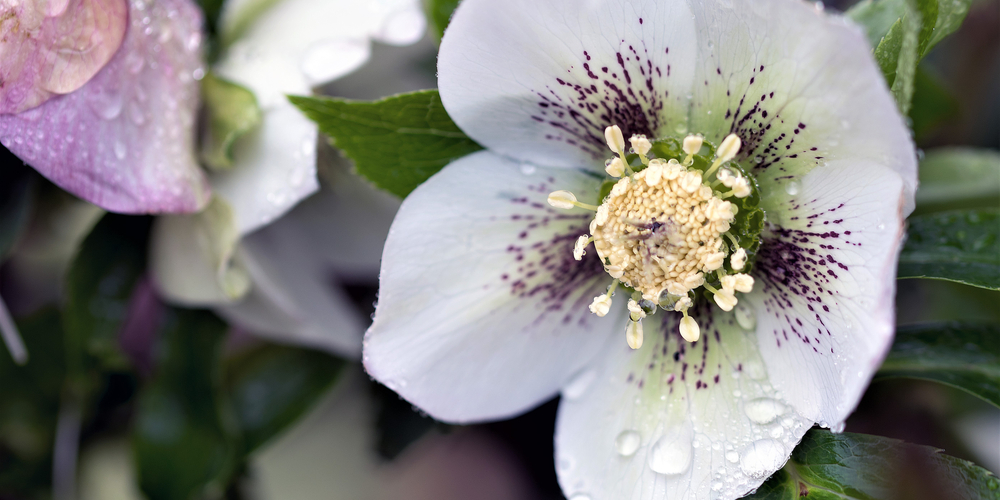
(274, 167)
(825, 284)
(482, 309)
(540, 81)
(192, 257)
(789, 79)
(286, 49)
(298, 264)
(676, 420)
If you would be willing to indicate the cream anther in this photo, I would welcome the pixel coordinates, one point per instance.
(653, 173)
(741, 187)
(729, 148)
(714, 261)
(602, 215)
(615, 168)
(689, 329)
(633, 334)
(601, 305)
(739, 282)
(640, 144)
(692, 144)
(739, 259)
(616, 141)
(635, 311)
(683, 304)
(726, 177)
(562, 199)
(691, 181)
(579, 249)
(725, 299)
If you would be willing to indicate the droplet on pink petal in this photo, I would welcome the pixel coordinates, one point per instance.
(125, 140)
(52, 47)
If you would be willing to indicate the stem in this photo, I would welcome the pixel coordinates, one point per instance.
(11, 336)
(67, 445)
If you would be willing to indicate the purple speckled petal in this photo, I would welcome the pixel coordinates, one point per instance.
(482, 312)
(825, 286)
(51, 48)
(539, 81)
(799, 87)
(125, 140)
(676, 420)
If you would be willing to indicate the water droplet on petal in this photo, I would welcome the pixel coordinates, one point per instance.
(671, 454)
(792, 188)
(839, 428)
(580, 496)
(762, 457)
(528, 169)
(732, 456)
(745, 316)
(627, 443)
(120, 150)
(763, 410)
(579, 384)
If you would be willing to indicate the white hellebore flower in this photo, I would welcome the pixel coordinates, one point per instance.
(483, 309)
(224, 253)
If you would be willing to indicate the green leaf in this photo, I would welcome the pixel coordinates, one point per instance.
(933, 105)
(439, 14)
(397, 142)
(179, 440)
(99, 286)
(962, 355)
(231, 111)
(16, 200)
(959, 177)
(271, 387)
(960, 245)
(29, 403)
(827, 466)
(902, 32)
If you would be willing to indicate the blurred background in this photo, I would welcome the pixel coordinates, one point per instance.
(312, 425)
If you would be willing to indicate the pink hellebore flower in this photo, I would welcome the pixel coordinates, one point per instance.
(100, 96)
(690, 361)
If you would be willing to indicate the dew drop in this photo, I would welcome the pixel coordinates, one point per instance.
(792, 188)
(716, 485)
(763, 410)
(745, 316)
(758, 159)
(762, 457)
(754, 370)
(880, 227)
(579, 384)
(580, 496)
(528, 169)
(627, 443)
(671, 454)
(732, 456)
(839, 428)
(120, 150)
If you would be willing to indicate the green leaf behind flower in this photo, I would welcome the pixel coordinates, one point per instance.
(902, 32)
(16, 200)
(181, 444)
(271, 387)
(397, 142)
(231, 110)
(439, 14)
(99, 285)
(959, 177)
(962, 355)
(827, 466)
(960, 245)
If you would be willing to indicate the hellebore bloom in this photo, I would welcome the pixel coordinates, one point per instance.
(100, 96)
(277, 281)
(745, 226)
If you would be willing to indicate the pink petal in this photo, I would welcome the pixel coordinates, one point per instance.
(125, 140)
(51, 48)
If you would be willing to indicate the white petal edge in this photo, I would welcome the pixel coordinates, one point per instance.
(788, 78)
(473, 322)
(540, 81)
(824, 296)
(676, 420)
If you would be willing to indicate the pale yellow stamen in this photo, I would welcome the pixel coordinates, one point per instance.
(739, 259)
(615, 167)
(689, 329)
(616, 141)
(641, 145)
(601, 305)
(692, 144)
(635, 311)
(579, 250)
(633, 334)
(567, 200)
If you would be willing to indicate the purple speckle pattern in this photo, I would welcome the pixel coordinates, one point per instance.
(545, 271)
(621, 88)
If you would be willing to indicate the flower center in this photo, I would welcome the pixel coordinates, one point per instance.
(665, 230)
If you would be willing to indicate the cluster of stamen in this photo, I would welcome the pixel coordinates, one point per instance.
(663, 229)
